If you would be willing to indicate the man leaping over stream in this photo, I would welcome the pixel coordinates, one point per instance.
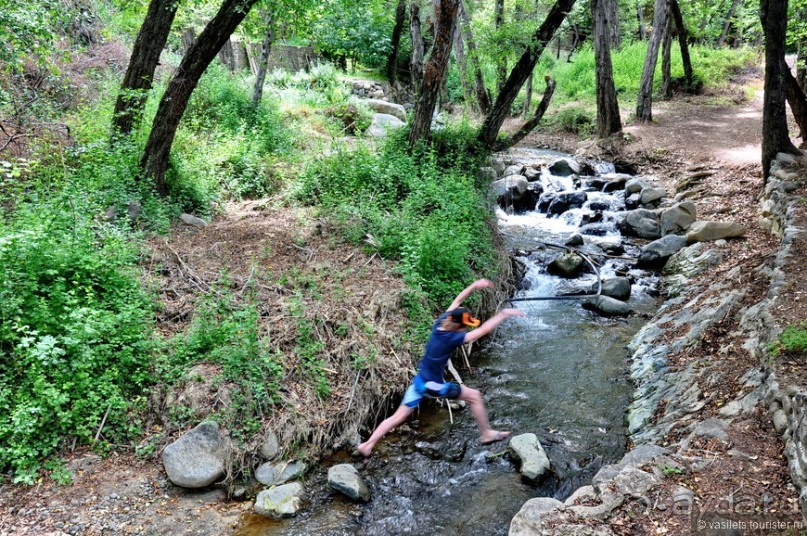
(448, 334)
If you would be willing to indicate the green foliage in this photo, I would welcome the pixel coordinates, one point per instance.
(580, 120)
(793, 339)
(356, 30)
(28, 30)
(423, 209)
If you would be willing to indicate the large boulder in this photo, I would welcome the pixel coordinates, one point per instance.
(677, 218)
(198, 458)
(641, 223)
(529, 520)
(381, 124)
(566, 265)
(614, 181)
(532, 173)
(607, 306)
(346, 479)
(567, 200)
(512, 186)
(615, 287)
(706, 231)
(531, 455)
(386, 107)
(272, 474)
(282, 501)
(269, 447)
(651, 195)
(634, 186)
(515, 169)
(658, 251)
(563, 167)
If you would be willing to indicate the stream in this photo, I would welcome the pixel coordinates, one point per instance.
(560, 373)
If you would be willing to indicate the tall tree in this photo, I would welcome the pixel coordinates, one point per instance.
(608, 121)
(798, 103)
(154, 162)
(721, 41)
(493, 121)
(689, 76)
(482, 96)
(263, 62)
(139, 75)
(614, 30)
(501, 63)
(462, 65)
(640, 19)
(775, 139)
(644, 101)
(416, 62)
(666, 60)
(395, 45)
(434, 70)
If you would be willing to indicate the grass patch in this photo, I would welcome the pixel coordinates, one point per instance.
(792, 340)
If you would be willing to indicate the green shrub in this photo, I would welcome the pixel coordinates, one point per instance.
(577, 119)
(793, 339)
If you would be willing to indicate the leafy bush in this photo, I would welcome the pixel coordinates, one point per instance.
(423, 209)
(793, 339)
(577, 119)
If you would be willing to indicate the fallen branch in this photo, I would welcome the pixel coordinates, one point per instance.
(103, 422)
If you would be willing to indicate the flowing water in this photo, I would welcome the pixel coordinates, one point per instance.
(561, 373)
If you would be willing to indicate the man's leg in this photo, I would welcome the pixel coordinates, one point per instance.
(477, 406)
(396, 419)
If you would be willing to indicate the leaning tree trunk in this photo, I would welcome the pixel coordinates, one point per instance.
(528, 96)
(154, 162)
(640, 20)
(482, 96)
(263, 62)
(644, 101)
(445, 21)
(608, 120)
(521, 71)
(689, 77)
(397, 30)
(775, 139)
(416, 63)
(528, 126)
(666, 63)
(798, 103)
(722, 39)
(139, 76)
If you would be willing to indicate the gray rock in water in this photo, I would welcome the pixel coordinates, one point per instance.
(651, 195)
(346, 479)
(529, 451)
(189, 219)
(641, 223)
(678, 218)
(269, 447)
(564, 167)
(272, 474)
(575, 240)
(386, 107)
(658, 251)
(567, 265)
(515, 169)
(611, 248)
(285, 500)
(532, 174)
(706, 231)
(514, 186)
(381, 124)
(198, 458)
(529, 519)
(567, 200)
(615, 287)
(607, 306)
(634, 186)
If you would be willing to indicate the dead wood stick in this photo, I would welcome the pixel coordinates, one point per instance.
(191, 274)
(353, 392)
(103, 421)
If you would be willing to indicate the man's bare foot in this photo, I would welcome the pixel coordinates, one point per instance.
(365, 450)
(491, 436)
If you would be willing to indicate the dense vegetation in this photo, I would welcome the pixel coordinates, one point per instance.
(79, 349)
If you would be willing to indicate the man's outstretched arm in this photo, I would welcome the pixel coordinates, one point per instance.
(478, 284)
(491, 323)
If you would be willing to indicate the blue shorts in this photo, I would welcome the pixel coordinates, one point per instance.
(421, 388)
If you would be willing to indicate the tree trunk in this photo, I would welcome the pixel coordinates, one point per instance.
(689, 77)
(445, 20)
(462, 66)
(154, 162)
(521, 71)
(139, 75)
(528, 96)
(226, 55)
(775, 139)
(397, 30)
(666, 67)
(501, 62)
(263, 62)
(640, 20)
(187, 40)
(416, 64)
(722, 39)
(608, 120)
(482, 96)
(530, 125)
(612, 15)
(801, 68)
(644, 101)
(798, 103)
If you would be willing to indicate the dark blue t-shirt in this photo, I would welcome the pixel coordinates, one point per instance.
(438, 349)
